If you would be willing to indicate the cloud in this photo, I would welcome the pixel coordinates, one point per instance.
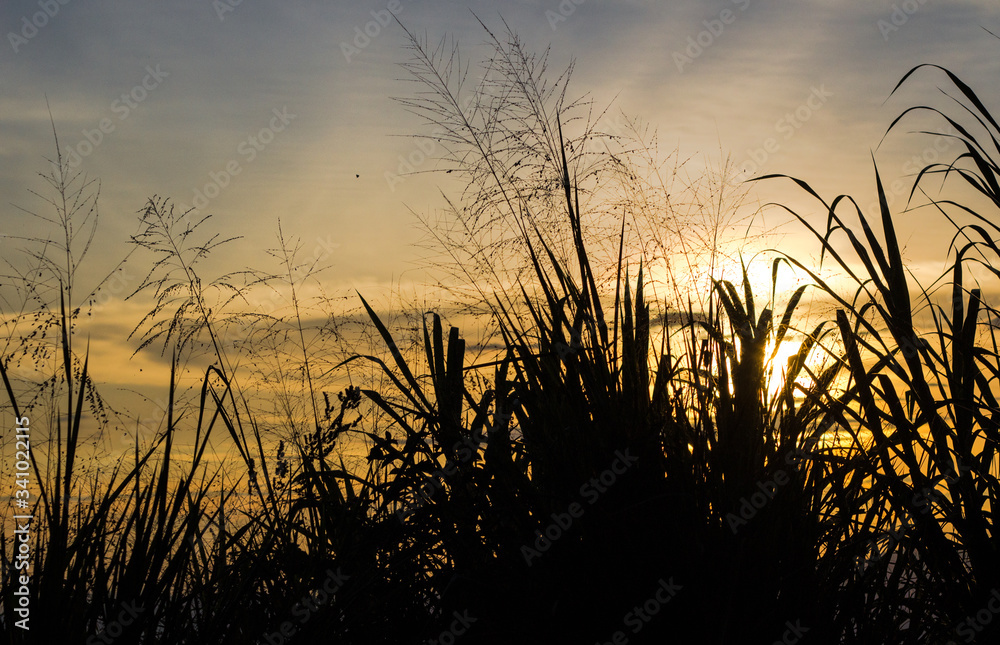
(324, 173)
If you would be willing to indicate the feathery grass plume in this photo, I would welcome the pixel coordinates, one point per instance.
(499, 127)
(101, 544)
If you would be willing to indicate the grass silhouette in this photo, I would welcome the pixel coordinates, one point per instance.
(615, 471)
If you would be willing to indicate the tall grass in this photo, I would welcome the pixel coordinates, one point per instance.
(925, 413)
(99, 544)
(612, 442)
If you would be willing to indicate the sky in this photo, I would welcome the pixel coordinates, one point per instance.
(260, 111)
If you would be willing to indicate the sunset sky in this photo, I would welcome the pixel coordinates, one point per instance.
(534, 330)
(183, 90)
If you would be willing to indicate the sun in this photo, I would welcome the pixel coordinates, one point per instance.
(763, 282)
(778, 365)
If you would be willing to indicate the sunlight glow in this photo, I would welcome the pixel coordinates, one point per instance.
(778, 366)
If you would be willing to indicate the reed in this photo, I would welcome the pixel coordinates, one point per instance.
(776, 468)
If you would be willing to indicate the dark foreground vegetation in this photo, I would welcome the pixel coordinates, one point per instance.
(610, 475)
